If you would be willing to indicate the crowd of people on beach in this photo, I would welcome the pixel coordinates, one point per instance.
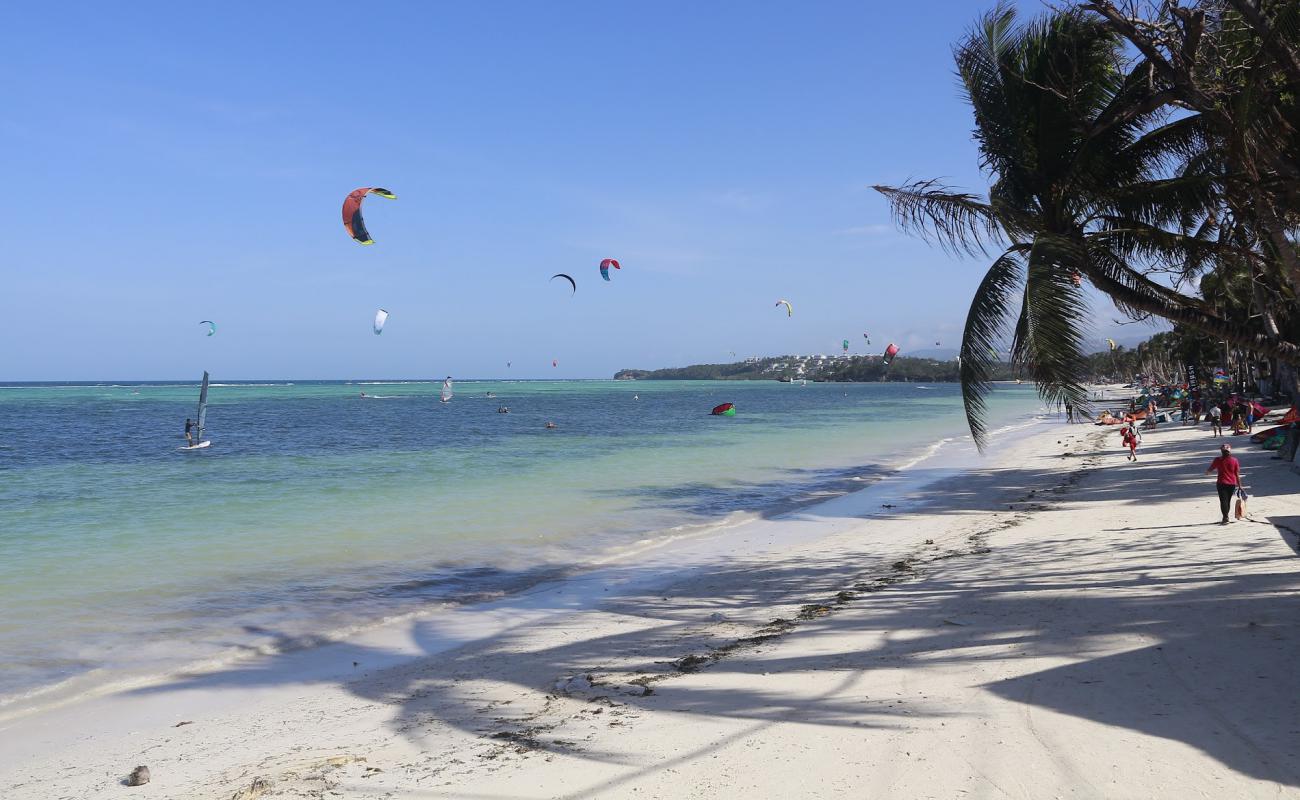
(1191, 407)
(1156, 404)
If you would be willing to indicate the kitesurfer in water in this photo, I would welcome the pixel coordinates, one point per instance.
(363, 395)
(189, 436)
(550, 425)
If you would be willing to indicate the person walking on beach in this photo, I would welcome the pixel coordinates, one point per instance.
(1228, 479)
(1215, 416)
(189, 432)
(1069, 412)
(1129, 436)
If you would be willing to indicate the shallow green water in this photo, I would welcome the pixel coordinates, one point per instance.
(315, 508)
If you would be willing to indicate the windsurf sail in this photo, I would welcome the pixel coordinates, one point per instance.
(203, 408)
(446, 390)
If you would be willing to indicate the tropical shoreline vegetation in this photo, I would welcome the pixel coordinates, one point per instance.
(1146, 154)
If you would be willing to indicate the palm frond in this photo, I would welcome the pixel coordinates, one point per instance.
(957, 221)
(985, 325)
(1055, 322)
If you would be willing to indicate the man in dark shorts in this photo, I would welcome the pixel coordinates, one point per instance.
(1228, 480)
(189, 436)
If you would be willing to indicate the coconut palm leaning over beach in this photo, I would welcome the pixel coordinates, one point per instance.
(1091, 178)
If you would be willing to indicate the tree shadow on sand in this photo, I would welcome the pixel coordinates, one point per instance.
(1222, 680)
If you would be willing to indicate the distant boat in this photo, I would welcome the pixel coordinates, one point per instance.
(199, 441)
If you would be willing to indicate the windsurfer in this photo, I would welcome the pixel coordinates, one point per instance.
(189, 434)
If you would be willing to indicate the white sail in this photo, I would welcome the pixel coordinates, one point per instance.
(381, 316)
(446, 390)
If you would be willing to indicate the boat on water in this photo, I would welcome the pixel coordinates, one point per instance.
(198, 442)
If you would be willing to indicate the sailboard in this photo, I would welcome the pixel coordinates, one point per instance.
(199, 441)
(445, 396)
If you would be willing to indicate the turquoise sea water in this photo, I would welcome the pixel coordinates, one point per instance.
(316, 509)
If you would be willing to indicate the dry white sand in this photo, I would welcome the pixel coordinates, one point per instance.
(1058, 623)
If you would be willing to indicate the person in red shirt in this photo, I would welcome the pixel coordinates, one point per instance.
(1129, 435)
(1228, 480)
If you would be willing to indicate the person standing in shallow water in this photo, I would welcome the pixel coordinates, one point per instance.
(189, 431)
(1228, 479)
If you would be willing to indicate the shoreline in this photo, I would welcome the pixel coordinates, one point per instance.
(100, 681)
(733, 672)
(656, 561)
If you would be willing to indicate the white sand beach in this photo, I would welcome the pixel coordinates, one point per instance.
(1055, 623)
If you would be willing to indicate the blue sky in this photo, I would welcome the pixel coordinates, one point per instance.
(172, 163)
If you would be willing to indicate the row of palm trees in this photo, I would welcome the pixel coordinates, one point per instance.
(1148, 150)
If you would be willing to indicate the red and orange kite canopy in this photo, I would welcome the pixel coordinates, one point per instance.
(890, 352)
(352, 221)
(606, 264)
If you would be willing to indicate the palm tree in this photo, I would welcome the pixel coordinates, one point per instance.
(1082, 187)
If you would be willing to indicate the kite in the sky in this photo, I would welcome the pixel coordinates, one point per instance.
(381, 316)
(867, 336)
(571, 281)
(890, 352)
(789, 309)
(724, 410)
(352, 221)
(554, 363)
(212, 326)
(606, 264)
(1111, 342)
(845, 344)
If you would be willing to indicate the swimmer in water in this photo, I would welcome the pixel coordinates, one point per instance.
(550, 425)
